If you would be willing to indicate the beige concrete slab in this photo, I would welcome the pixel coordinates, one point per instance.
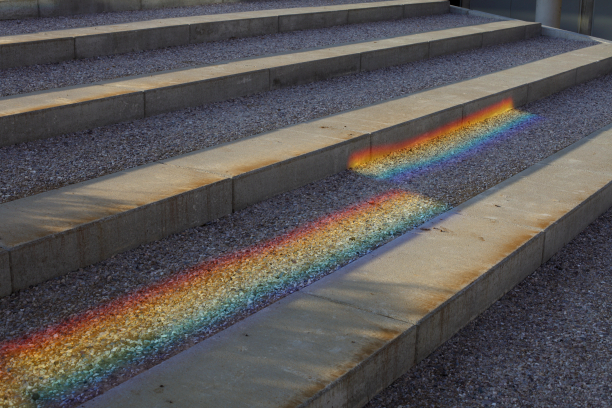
(595, 61)
(428, 8)
(329, 64)
(410, 116)
(157, 4)
(524, 255)
(54, 8)
(199, 91)
(397, 52)
(252, 153)
(23, 50)
(45, 114)
(496, 88)
(282, 356)
(602, 137)
(430, 282)
(6, 288)
(137, 39)
(82, 107)
(421, 270)
(566, 228)
(307, 19)
(467, 38)
(338, 121)
(586, 156)
(536, 197)
(258, 185)
(61, 230)
(423, 122)
(565, 64)
(145, 35)
(269, 164)
(275, 162)
(514, 31)
(235, 28)
(383, 13)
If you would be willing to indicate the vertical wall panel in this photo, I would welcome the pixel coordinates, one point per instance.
(499, 7)
(523, 10)
(570, 15)
(602, 19)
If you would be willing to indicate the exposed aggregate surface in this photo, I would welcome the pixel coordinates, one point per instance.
(565, 118)
(34, 25)
(34, 167)
(546, 343)
(22, 80)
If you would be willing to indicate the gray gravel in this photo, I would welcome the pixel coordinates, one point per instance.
(34, 167)
(33, 25)
(565, 118)
(79, 72)
(547, 343)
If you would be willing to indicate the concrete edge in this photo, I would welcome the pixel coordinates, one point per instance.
(19, 9)
(570, 35)
(324, 154)
(367, 370)
(546, 30)
(443, 322)
(65, 110)
(57, 46)
(6, 286)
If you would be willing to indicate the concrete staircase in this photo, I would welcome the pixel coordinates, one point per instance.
(50, 234)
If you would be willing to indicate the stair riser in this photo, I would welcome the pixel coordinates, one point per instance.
(406, 298)
(298, 161)
(53, 47)
(118, 104)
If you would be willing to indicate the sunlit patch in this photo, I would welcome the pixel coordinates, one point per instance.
(362, 157)
(47, 365)
(442, 148)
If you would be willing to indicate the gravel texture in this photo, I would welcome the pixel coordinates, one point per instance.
(565, 118)
(85, 71)
(546, 343)
(33, 25)
(34, 167)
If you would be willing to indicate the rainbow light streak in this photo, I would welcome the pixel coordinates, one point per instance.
(54, 362)
(365, 156)
(403, 164)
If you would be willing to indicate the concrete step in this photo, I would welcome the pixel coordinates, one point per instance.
(52, 233)
(339, 341)
(45, 114)
(18, 9)
(63, 45)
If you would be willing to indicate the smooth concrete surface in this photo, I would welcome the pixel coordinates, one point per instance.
(16, 9)
(51, 233)
(44, 114)
(279, 357)
(252, 169)
(31, 49)
(431, 281)
(88, 42)
(546, 30)
(49, 113)
(272, 163)
(54, 8)
(6, 288)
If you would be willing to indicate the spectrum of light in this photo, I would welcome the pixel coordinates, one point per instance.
(48, 364)
(431, 151)
(45, 366)
(365, 156)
